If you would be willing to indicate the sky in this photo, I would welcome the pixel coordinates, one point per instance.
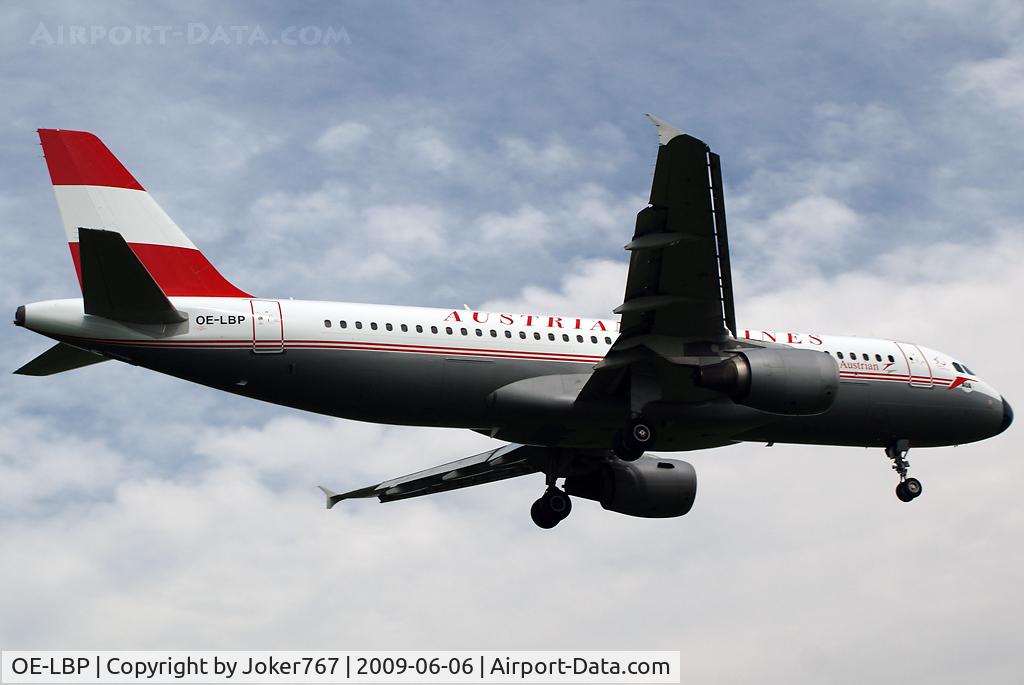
(495, 154)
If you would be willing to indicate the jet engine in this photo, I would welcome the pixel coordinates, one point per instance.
(776, 380)
(649, 487)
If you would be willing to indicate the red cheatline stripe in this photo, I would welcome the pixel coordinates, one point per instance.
(78, 158)
(363, 346)
(894, 377)
(179, 271)
(437, 347)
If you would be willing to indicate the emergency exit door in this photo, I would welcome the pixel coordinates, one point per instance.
(267, 326)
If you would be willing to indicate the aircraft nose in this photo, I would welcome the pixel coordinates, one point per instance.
(1007, 415)
(19, 316)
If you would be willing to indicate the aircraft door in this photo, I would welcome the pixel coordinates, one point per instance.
(267, 326)
(920, 369)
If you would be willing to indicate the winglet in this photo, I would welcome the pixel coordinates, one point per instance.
(666, 132)
(332, 497)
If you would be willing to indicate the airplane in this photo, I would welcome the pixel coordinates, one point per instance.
(582, 401)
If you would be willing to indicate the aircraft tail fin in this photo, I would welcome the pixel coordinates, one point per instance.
(94, 190)
(61, 357)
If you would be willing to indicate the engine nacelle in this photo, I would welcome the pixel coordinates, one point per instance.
(648, 487)
(776, 380)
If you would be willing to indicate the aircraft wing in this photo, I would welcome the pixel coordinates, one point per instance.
(679, 285)
(680, 280)
(504, 462)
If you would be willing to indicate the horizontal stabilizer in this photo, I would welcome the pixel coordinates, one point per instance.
(116, 285)
(60, 357)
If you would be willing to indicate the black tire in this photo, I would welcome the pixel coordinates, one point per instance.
(542, 516)
(912, 486)
(902, 494)
(623, 450)
(558, 504)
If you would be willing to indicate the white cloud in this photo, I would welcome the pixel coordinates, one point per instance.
(551, 157)
(591, 288)
(406, 226)
(428, 148)
(527, 226)
(342, 138)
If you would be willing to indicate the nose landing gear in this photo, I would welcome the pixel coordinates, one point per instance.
(908, 488)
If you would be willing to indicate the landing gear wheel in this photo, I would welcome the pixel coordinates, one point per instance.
(541, 516)
(908, 488)
(552, 507)
(558, 503)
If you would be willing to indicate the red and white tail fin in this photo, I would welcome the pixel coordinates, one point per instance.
(94, 190)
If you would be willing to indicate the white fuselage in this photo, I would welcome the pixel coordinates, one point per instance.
(427, 366)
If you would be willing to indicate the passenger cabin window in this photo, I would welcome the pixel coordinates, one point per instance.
(433, 329)
(419, 329)
(494, 333)
(405, 329)
(878, 357)
(327, 323)
(607, 340)
(508, 334)
(479, 332)
(343, 323)
(891, 360)
(536, 336)
(853, 356)
(359, 325)
(464, 331)
(579, 338)
(522, 334)
(839, 354)
(565, 337)
(448, 330)
(866, 357)
(389, 327)
(373, 325)
(551, 336)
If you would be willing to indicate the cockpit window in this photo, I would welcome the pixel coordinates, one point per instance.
(968, 370)
(956, 365)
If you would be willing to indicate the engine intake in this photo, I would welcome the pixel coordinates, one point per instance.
(776, 380)
(648, 487)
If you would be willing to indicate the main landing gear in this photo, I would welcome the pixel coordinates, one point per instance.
(554, 506)
(551, 509)
(908, 488)
(633, 440)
